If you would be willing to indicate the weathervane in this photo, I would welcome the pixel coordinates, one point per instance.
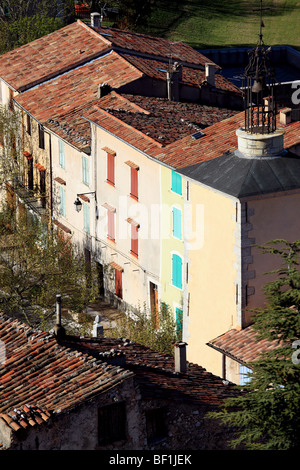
(260, 106)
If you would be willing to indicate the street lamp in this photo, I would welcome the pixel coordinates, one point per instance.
(78, 203)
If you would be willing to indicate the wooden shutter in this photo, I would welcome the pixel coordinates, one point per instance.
(86, 218)
(111, 225)
(134, 183)
(177, 223)
(111, 168)
(118, 283)
(134, 240)
(62, 195)
(176, 183)
(177, 271)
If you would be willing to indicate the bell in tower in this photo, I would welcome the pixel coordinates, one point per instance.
(260, 106)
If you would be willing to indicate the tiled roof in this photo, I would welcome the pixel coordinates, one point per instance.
(77, 87)
(37, 371)
(140, 120)
(51, 55)
(190, 76)
(152, 46)
(217, 139)
(242, 345)
(155, 373)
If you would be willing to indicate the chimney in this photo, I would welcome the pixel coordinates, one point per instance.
(173, 79)
(103, 89)
(59, 330)
(285, 116)
(180, 357)
(97, 328)
(210, 71)
(95, 20)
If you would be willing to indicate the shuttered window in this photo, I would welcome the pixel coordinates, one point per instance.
(177, 223)
(61, 148)
(179, 322)
(134, 183)
(118, 283)
(176, 185)
(112, 423)
(134, 240)
(177, 271)
(62, 204)
(41, 137)
(111, 168)
(111, 225)
(85, 170)
(86, 218)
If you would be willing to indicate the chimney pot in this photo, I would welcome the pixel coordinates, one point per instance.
(180, 357)
(59, 330)
(285, 116)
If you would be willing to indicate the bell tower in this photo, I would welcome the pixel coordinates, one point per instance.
(260, 136)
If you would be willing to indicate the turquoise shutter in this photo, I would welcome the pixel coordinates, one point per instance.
(62, 195)
(177, 224)
(86, 218)
(61, 154)
(85, 170)
(179, 322)
(176, 183)
(177, 271)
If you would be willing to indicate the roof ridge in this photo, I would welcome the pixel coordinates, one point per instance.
(94, 33)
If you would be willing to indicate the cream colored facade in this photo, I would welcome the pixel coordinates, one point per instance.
(141, 272)
(213, 254)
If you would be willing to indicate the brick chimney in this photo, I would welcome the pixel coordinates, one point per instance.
(180, 357)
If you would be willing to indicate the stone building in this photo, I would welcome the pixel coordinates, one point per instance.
(68, 393)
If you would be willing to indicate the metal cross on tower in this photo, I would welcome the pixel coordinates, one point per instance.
(260, 106)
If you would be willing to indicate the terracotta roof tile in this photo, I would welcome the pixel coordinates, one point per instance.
(51, 55)
(241, 345)
(39, 372)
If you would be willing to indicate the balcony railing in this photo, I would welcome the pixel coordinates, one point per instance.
(35, 201)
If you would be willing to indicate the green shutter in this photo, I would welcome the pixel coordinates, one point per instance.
(61, 146)
(177, 271)
(85, 170)
(86, 218)
(62, 195)
(176, 183)
(177, 223)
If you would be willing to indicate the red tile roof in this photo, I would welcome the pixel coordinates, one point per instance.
(218, 139)
(241, 345)
(77, 87)
(51, 55)
(190, 76)
(152, 46)
(38, 371)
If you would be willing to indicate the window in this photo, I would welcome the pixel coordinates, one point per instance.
(11, 103)
(85, 170)
(28, 124)
(176, 223)
(176, 185)
(179, 322)
(43, 187)
(86, 218)
(177, 271)
(111, 168)
(62, 203)
(244, 377)
(41, 137)
(111, 423)
(118, 283)
(111, 225)
(134, 183)
(156, 425)
(134, 240)
(61, 150)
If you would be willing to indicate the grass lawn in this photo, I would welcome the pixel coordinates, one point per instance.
(221, 23)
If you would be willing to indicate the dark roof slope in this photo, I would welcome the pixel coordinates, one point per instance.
(243, 177)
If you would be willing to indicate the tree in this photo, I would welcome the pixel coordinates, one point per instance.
(156, 332)
(36, 264)
(268, 411)
(10, 144)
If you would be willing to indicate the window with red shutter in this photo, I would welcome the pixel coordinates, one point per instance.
(118, 283)
(111, 168)
(134, 240)
(111, 225)
(134, 183)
